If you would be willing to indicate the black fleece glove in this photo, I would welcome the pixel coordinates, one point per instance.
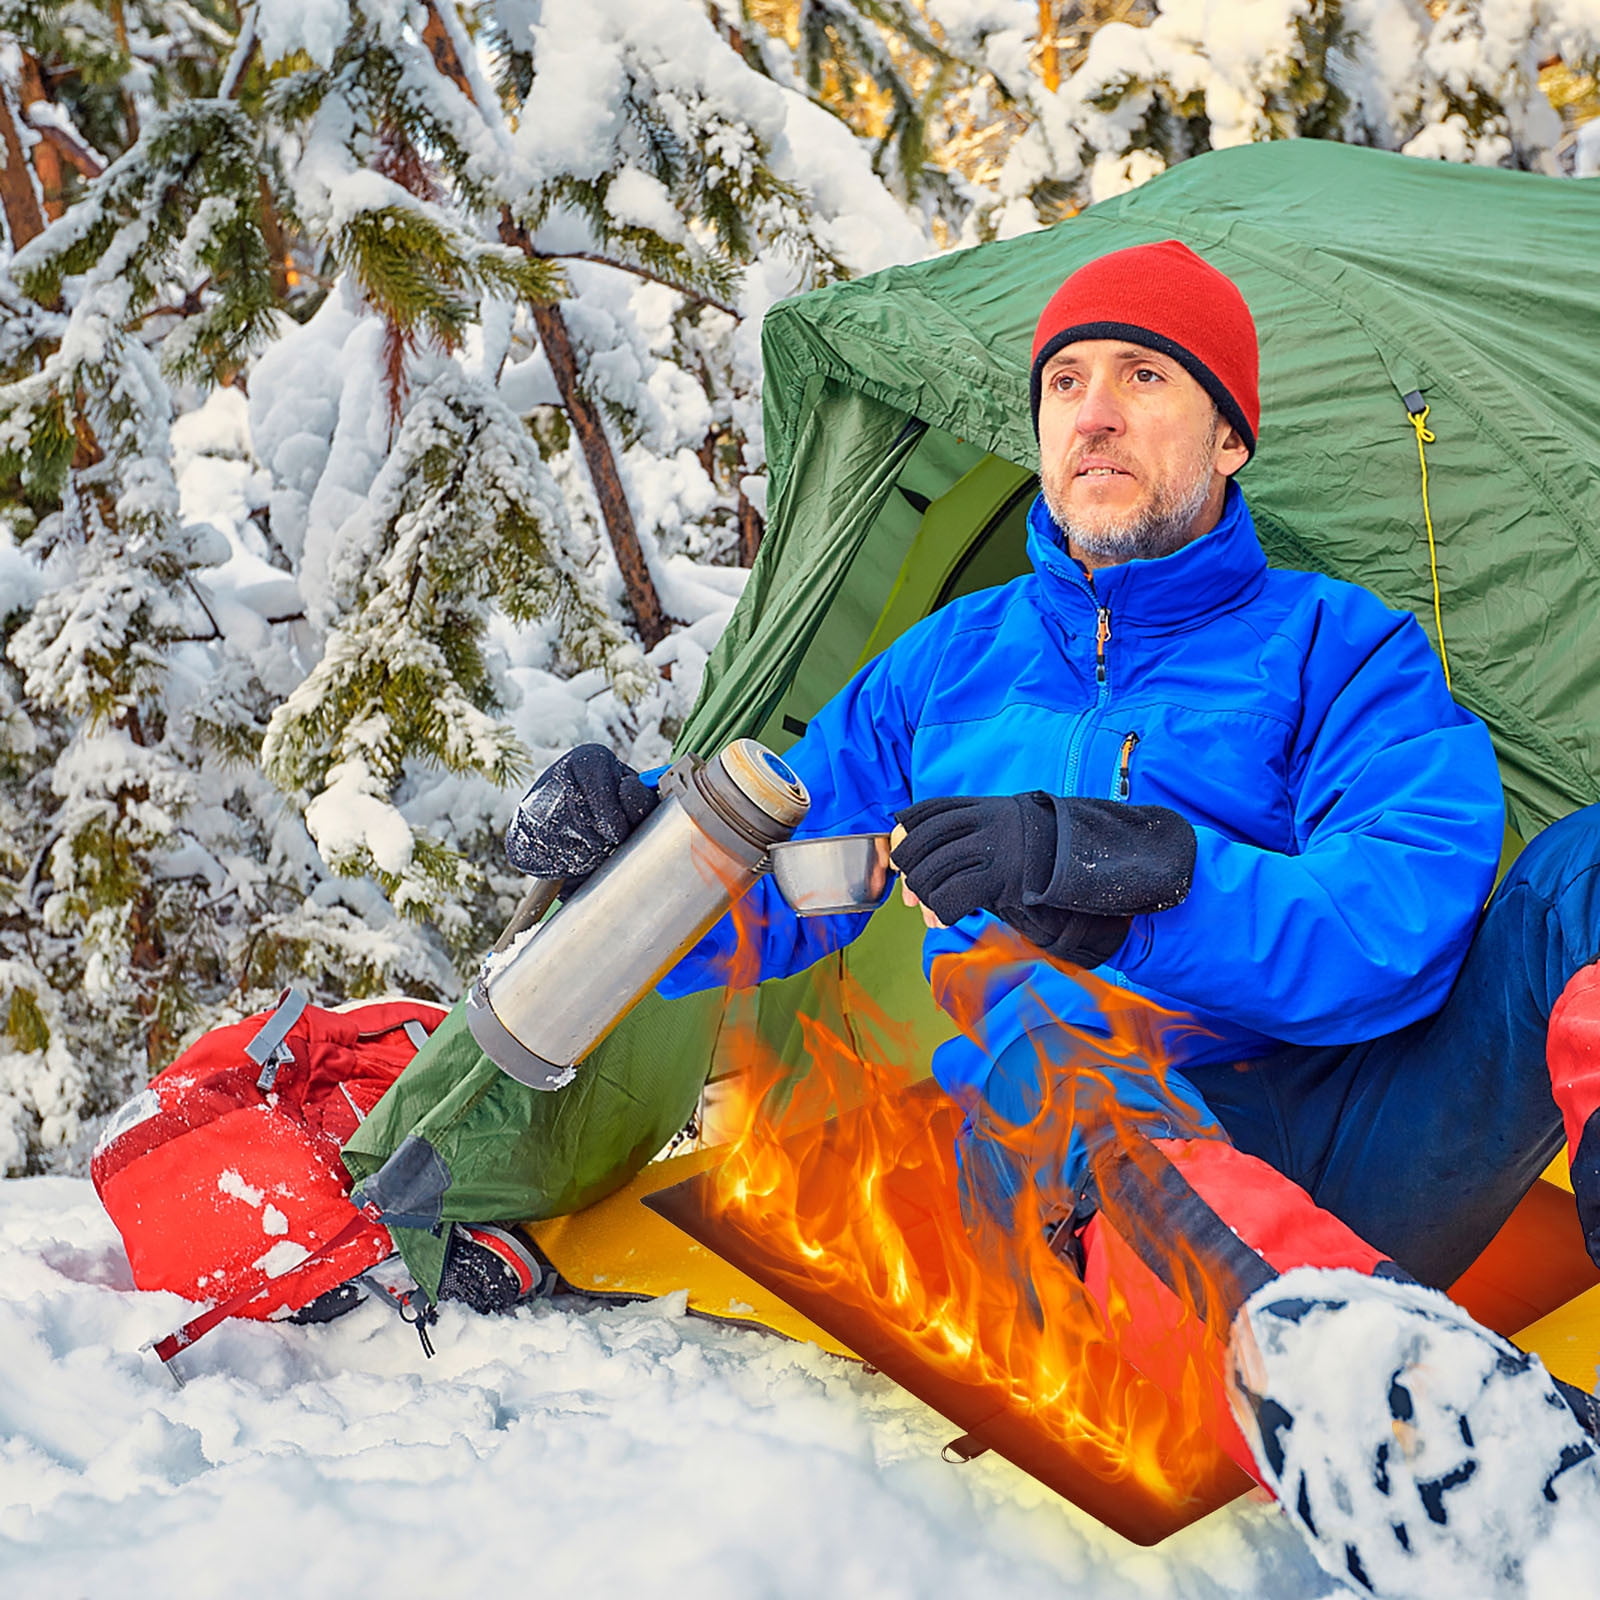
(577, 812)
(1067, 873)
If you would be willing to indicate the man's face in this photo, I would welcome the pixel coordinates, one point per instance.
(1134, 457)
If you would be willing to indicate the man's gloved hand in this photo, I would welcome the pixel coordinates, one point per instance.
(577, 812)
(1067, 873)
(966, 852)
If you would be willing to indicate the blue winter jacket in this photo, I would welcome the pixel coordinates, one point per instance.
(1348, 812)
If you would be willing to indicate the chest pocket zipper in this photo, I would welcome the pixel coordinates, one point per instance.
(1123, 786)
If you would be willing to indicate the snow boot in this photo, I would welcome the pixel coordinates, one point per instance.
(490, 1268)
(1419, 1454)
(1348, 1390)
(1572, 1050)
(330, 1305)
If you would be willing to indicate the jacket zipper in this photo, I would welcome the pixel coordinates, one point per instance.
(1102, 678)
(1123, 787)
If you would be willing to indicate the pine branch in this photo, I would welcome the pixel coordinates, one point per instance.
(903, 22)
(180, 204)
(84, 161)
(463, 512)
(245, 48)
(691, 271)
(726, 307)
(47, 163)
(416, 267)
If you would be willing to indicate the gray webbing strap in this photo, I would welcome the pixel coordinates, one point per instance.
(267, 1049)
(415, 1032)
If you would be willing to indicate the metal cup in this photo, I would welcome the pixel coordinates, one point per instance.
(824, 877)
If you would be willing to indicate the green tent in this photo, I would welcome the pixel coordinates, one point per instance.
(902, 464)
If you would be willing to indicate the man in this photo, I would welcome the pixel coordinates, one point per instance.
(1248, 795)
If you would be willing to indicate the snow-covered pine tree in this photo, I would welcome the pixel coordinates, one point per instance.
(690, 180)
(1457, 81)
(1048, 105)
(104, 910)
(462, 511)
(1005, 130)
(450, 514)
(895, 75)
(356, 529)
(591, 231)
(148, 885)
(81, 78)
(887, 46)
(957, 98)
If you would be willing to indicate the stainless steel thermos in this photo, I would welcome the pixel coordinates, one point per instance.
(550, 991)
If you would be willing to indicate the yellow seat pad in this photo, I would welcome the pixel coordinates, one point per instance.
(619, 1247)
(1559, 1173)
(1568, 1340)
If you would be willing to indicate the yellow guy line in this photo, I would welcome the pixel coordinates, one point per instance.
(1419, 421)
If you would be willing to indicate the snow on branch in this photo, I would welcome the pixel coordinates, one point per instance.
(463, 513)
(181, 206)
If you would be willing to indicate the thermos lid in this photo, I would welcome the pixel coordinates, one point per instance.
(766, 781)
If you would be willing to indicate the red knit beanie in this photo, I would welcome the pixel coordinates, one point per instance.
(1164, 297)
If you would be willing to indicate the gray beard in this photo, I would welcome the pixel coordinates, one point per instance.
(1157, 530)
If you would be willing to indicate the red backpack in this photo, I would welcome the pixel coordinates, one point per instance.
(224, 1178)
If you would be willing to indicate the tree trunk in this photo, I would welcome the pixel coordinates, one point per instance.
(46, 158)
(587, 423)
(24, 219)
(147, 957)
(56, 144)
(1049, 50)
(78, 156)
(584, 415)
(277, 245)
(751, 528)
(130, 112)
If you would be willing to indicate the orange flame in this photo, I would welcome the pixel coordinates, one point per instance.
(867, 1207)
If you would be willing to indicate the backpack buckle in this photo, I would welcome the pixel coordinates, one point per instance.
(269, 1049)
(282, 1056)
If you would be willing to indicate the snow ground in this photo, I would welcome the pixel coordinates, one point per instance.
(606, 1451)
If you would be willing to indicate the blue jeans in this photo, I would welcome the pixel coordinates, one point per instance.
(1423, 1140)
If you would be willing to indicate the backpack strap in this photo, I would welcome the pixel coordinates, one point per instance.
(197, 1327)
(268, 1049)
(411, 1027)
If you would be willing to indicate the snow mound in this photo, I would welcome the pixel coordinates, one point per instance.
(598, 1451)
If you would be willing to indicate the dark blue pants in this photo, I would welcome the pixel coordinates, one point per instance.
(1423, 1141)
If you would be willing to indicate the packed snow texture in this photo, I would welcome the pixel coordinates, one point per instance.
(598, 1450)
(581, 1448)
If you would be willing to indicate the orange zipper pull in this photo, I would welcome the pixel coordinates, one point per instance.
(1124, 761)
(1102, 633)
